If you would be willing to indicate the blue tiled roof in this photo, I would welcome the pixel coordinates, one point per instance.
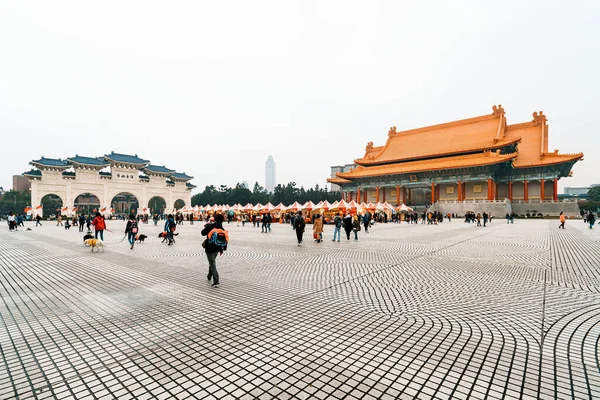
(87, 160)
(170, 182)
(144, 177)
(68, 173)
(179, 175)
(125, 158)
(51, 162)
(102, 173)
(33, 172)
(158, 168)
(190, 185)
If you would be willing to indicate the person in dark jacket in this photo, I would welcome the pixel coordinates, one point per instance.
(299, 226)
(348, 224)
(170, 228)
(211, 252)
(131, 229)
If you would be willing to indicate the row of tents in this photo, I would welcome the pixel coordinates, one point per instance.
(309, 206)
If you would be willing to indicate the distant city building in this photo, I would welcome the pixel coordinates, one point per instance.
(339, 168)
(21, 183)
(579, 191)
(270, 180)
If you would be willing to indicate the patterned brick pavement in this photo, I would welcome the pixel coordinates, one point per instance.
(408, 311)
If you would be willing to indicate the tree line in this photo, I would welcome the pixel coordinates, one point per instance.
(286, 194)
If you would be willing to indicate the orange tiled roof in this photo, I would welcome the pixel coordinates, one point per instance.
(467, 135)
(337, 180)
(464, 161)
(549, 159)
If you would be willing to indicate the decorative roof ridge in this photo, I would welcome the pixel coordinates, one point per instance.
(556, 153)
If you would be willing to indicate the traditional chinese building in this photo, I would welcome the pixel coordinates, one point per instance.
(106, 177)
(481, 160)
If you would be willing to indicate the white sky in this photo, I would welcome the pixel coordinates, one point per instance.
(213, 88)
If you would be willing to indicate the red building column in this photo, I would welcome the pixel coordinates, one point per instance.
(510, 191)
(433, 193)
(397, 195)
(542, 189)
(490, 189)
(526, 190)
(555, 190)
(377, 194)
(358, 194)
(459, 191)
(365, 196)
(384, 194)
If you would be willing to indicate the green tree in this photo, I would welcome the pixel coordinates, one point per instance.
(594, 194)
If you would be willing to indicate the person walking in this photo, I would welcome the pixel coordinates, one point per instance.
(131, 229)
(478, 219)
(59, 220)
(38, 218)
(299, 226)
(563, 219)
(81, 222)
(367, 221)
(355, 227)
(318, 228)
(485, 218)
(12, 224)
(211, 249)
(337, 223)
(347, 224)
(591, 219)
(99, 226)
(170, 227)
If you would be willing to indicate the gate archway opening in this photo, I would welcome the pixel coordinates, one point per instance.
(124, 203)
(157, 205)
(51, 205)
(86, 203)
(179, 204)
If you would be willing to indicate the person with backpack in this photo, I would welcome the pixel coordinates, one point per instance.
(215, 243)
(170, 227)
(99, 226)
(337, 222)
(299, 225)
(131, 230)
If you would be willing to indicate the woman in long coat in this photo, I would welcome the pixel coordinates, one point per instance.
(318, 228)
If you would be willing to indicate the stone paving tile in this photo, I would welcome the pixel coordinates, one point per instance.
(408, 311)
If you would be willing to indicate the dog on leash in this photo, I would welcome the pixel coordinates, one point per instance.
(95, 244)
(163, 235)
(88, 236)
(140, 238)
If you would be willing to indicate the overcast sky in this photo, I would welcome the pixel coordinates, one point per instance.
(213, 88)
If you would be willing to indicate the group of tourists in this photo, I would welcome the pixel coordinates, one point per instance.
(589, 218)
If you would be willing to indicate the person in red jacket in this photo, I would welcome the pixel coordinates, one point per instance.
(99, 226)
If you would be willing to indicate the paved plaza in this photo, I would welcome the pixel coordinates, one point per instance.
(408, 311)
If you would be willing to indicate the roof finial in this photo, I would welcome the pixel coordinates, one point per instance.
(498, 110)
(392, 131)
(539, 118)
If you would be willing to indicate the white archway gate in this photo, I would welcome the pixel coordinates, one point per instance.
(105, 177)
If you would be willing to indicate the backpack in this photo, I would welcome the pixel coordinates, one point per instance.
(134, 227)
(218, 239)
(100, 225)
(338, 222)
(300, 224)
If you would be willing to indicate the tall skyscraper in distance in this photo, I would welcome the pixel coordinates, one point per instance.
(270, 174)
